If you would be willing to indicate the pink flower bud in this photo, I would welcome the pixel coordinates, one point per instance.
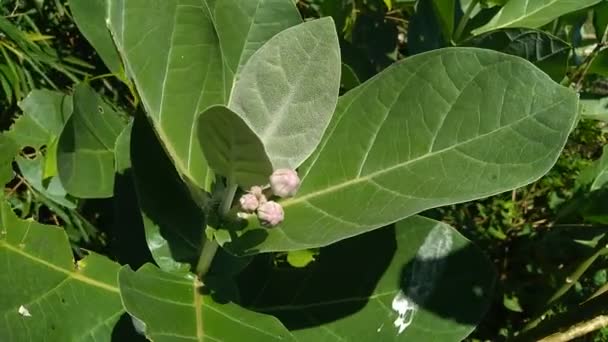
(270, 213)
(249, 202)
(284, 182)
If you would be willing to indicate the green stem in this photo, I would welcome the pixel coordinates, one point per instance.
(464, 20)
(209, 246)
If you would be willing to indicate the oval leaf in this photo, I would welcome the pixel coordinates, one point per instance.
(231, 148)
(417, 287)
(532, 14)
(45, 296)
(443, 127)
(288, 90)
(152, 295)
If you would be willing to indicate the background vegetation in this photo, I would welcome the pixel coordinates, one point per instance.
(547, 240)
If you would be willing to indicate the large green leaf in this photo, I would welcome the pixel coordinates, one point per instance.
(8, 151)
(174, 224)
(45, 295)
(170, 50)
(152, 296)
(532, 14)
(244, 26)
(45, 112)
(231, 148)
(410, 283)
(89, 16)
(446, 14)
(544, 50)
(86, 146)
(443, 127)
(288, 90)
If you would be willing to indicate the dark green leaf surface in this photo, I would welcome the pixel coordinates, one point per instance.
(547, 52)
(231, 148)
(8, 150)
(85, 153)
(45, 295)
(45, 112)
(413, 282)
(532, 14)
(444, 127)
(446, 14)
(174, 224)
(153, 296)
(288, 90)
(91, 21)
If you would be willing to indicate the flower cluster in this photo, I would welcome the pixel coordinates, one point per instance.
(283, 183)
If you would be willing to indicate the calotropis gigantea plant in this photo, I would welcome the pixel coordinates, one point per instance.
(233, 91)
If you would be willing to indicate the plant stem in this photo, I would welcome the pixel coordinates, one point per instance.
(209, 246)
(578, 330)
(464, 20)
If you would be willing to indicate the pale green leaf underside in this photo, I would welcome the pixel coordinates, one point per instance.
(152, 296)
(171, 52)
(442, 127)
(288, 90)
(428, 275)
(38, 273)
(85, 150)
(231, 148)
(532, 13)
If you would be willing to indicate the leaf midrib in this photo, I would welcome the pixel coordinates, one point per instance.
(338, 186)
(76, 276)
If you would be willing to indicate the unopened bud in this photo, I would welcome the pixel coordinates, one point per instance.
(270, 213)
(249, 202)
(284, 182)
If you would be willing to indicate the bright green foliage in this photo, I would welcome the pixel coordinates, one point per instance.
(33, 171)
(45, 113)
(421, 264)
(179, 308)
(288, 90)
(532, 14)
(465, 137)
(445, 10)
(93, 27)
(86, 146)
(231, 148)
(45, 295)
(594, 109)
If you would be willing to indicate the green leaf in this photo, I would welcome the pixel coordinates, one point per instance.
(288, 90)
(122, 150)
(181, 78)
(596, 109)
(596, 175)
(544, 50)
(419, 286)
(599, 65)
(444, 127)
(86, 146)
(152, 296)
(89, 16)
(8, 151)
(600, 19)
(244, 26)
(45, 295)
(45, 113)
(231, 148)
(532, 14)
(32, 171)
(174, 225)
(445, 11)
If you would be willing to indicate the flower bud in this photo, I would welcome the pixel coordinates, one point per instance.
(270, 213)
(284, 182)
(249, 202)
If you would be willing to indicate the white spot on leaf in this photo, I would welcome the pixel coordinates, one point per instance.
(424, 272)
(24, 312)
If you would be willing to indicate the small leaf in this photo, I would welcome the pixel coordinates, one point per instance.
(301, 258)
(446, 14)
(89, 16)
(416, 137)
(532, 14)
(86, 146)
(45, 295)
(8, 151)
(288, 90)
(418, 286)
(596, 109)
(231, 148)
(32, 171)
(152, 295)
